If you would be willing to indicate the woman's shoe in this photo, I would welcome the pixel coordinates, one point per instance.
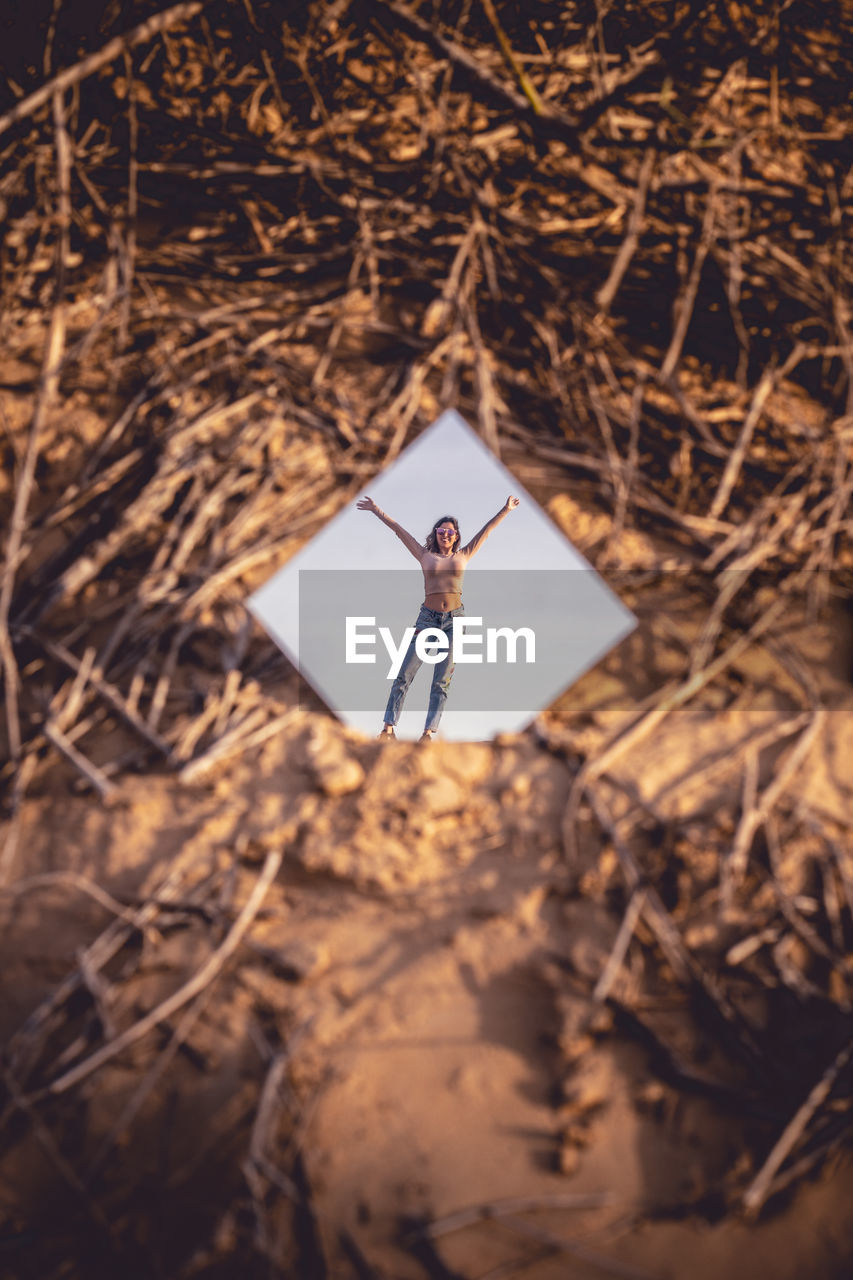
(387, 731)
(427, 735)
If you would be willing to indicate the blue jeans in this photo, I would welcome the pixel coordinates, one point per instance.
(442, 672)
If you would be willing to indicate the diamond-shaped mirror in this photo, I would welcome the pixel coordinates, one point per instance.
(535, 615)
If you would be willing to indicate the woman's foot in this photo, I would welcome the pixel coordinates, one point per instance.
(427, 735)
(387, 731)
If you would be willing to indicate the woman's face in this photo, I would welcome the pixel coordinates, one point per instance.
(445, 535)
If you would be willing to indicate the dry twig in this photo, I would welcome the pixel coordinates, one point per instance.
(190, 989)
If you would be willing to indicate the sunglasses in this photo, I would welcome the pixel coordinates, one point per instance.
(442, 530)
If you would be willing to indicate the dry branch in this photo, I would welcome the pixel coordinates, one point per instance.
(25, 1045)
(736, 457)
(47, 394)
(758, 1190)
(76, 881)
(93, 775)
(669, 698)
(67, 1173)
(190, 989)
(95, 61)
(757, 811)
(471, 66)
(616, 959)
(683, 309)
(243, 737)
(108, 692)
(149, 1082)
(513, 1207)
(685, 968)
(628, 248)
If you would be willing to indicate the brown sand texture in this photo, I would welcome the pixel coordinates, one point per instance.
(279, 1001)
(431, 1047)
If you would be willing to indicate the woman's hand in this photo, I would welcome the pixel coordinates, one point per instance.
(511, 504)
(367, 504)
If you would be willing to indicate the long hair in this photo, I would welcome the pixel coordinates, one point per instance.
(432, 540)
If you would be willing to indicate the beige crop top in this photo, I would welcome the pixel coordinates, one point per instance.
(443, 574)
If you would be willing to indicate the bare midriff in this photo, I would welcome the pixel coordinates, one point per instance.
(443, 602)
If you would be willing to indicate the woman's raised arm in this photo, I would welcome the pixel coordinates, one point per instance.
(479, 538)
(410, 543)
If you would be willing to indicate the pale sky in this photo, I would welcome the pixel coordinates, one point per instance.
(447, 470)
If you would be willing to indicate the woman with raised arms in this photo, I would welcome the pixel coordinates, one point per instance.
(443, 561)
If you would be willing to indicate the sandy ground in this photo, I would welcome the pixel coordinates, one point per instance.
(415, 992)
